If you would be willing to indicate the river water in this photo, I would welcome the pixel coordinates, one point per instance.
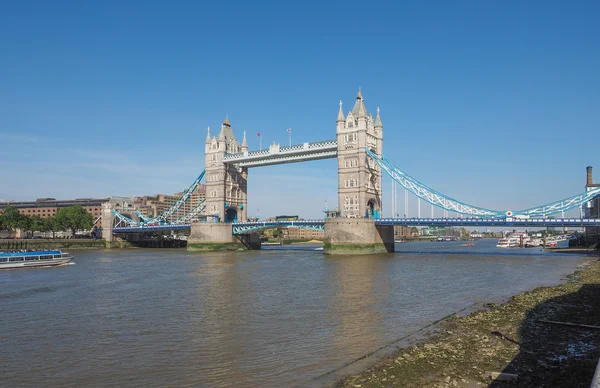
(271, 318)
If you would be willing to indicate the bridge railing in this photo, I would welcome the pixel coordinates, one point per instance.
(281, 150)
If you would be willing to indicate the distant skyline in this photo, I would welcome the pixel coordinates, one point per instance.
(494, 104)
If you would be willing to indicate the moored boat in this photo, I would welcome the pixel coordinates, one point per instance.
(9, 260)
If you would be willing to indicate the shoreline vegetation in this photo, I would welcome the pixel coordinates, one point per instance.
(546, 337)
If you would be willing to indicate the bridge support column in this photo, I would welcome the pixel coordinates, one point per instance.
(213, 236)
(107, 222)
(357, 236)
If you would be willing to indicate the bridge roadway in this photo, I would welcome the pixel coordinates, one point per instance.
(241, 227)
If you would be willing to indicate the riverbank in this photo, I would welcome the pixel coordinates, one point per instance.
(533, 340)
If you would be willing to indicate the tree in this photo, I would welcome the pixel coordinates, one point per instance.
(414, 231)
(74, 218)
(37, 224)
(11, 218)
(51, 225)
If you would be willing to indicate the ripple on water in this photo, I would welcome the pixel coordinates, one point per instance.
(272, 318)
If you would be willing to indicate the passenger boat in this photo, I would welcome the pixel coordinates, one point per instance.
(33, 259)
(510, 242)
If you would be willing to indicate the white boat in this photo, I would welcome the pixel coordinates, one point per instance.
(561, 241)
(11, 260)
(508, 242)
(514, 240)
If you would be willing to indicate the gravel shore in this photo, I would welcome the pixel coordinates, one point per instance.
(534, 340)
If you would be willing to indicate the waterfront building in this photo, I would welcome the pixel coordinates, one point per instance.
(294, 233)
(47, 207)
(401, 232)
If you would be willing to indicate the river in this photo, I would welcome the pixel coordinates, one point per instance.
(270, 318)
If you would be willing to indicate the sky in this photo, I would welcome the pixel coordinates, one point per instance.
(494, 103)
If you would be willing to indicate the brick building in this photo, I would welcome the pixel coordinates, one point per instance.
(46, 207)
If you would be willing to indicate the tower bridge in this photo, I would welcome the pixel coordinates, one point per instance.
(359, 228)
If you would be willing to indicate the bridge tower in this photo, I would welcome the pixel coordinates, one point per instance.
(226, 185)
(359, 177)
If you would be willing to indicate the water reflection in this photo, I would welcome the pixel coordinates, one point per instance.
(270, 319)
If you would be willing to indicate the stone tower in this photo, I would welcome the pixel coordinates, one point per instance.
(359, 177)
(226, 185)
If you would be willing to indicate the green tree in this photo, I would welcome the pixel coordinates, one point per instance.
(51, 225)
(37, 224)
(24, 223)
(11, 218)
(74, 218)
(414, 230)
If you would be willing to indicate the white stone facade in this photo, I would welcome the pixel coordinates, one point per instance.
(226, 185)
(359, 178)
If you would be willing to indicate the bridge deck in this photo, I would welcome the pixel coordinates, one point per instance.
(279, 155)
(241, 227)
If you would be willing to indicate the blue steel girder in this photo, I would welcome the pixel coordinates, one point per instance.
(443, 201)
(189, 216)
(180, 201)
(489, 222)
(122, 218)
(142, 216)
(287, 154)
(157, 228)
(243, 227)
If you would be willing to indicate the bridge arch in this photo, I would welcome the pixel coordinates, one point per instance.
(231, 214)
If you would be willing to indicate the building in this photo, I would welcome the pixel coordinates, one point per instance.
(402, 232)
(47, 207)
(294, 233)
(359, 178)
(226, 184)
(153, 205)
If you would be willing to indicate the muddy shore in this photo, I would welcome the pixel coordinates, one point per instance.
(534, 340)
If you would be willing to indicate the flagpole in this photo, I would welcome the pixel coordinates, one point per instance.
(260, 137)
(290, 132)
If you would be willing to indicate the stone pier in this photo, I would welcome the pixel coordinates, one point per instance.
(218, 236)
(357, 236)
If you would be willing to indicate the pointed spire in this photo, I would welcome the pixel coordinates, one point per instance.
(222, 133)
(341, 114)
(244, 142)
(362, 111)
(378, 123)
(208, 136)
(359, 109)
(226, 122)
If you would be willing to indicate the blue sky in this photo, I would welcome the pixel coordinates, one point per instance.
(494, 103)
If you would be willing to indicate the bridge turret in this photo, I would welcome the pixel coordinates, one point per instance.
(378, 124)
(340, 119)
(359, 179)
(226, 185)
(379, 137)
(244, 146)
(222, 139)
(361, 112)
(207, 142)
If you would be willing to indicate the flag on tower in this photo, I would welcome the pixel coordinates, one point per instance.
(258, 134)
(289, 129)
